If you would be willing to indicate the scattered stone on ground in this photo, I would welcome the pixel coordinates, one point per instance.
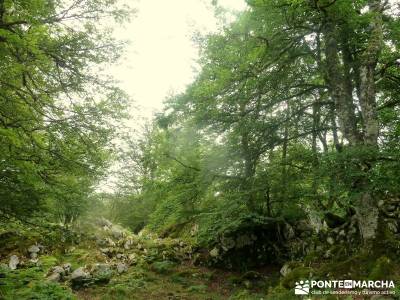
(14, 262)
(285, 270)
(121, 268)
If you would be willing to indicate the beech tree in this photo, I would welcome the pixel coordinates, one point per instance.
(296, 99)
(56, 109)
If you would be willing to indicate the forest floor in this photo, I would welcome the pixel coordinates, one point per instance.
(109, 262)
(105, 262)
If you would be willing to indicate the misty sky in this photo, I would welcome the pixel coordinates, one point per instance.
(161, 56)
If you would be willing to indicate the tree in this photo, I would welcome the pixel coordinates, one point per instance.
(291, 93)
(56, 109)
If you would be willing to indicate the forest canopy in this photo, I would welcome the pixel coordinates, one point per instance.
(295, 112)
(57, 112)
(283, 152)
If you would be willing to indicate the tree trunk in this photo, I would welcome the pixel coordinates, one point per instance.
(367, 208)
(338, 87)
(340, 81)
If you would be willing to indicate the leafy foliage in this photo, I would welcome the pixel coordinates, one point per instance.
(56, 109)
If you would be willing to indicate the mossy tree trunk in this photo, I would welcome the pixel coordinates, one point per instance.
(360, 133)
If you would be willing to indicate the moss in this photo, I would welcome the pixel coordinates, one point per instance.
(281, 293)
(176, 278)
(28, 284)
(245, 295)
(383, 269)
(47, 291)
(48, 261)
(234, 280)
(299, 273)
(162, 267)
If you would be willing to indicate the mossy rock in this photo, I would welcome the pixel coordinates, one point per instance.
(299, 273)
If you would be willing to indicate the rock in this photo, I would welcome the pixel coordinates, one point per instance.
(194, 229)
(103, 222)
(101, 242)
(67, 268)
(288, 231)
(117, 233)
(128, 244)
(132, 258)
(34, 260)
(33, 249)
(54, 277)
(80, 278)
(14, 262)
(110, 242)
(120, 256)
(121, 268)
(285, 270)
(101, 273)
(58, 269)
(34, 255)
(227, 243)
(243, 240)
(214, 252)
(79, 274)
(105, 250)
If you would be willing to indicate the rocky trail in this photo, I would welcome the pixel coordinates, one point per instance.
(109, 262)
(101, 260)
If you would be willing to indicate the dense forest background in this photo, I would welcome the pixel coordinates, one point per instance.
(285, 148)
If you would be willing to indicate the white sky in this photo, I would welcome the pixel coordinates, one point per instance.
(161, 56)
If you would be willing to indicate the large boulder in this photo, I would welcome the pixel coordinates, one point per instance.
(79, 273)
(80, 278)
(101, 273)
